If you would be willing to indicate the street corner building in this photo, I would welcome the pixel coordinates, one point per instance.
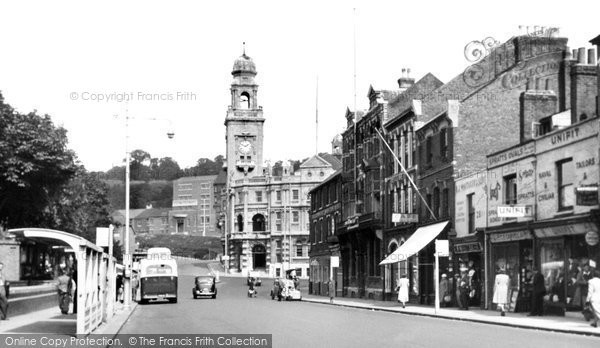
(505, 168)
(267, 209)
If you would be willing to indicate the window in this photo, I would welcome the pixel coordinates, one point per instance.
(566, 194)
(510, 189)
(471, 212)
(436, 202)
(295, 217)
(444, 142)
(295, 195)
(244, 100)
(240, 223)
(428, 150)
(278, 221)
(258, 196)
(299, 250)
(445, 202)
(278, 196)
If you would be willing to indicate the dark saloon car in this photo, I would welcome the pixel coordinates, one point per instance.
(205, 286)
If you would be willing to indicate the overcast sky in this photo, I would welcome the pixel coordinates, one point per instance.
(56, 56)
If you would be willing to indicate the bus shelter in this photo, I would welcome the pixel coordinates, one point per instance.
(96, 274)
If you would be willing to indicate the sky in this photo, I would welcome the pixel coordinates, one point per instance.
(81, 61)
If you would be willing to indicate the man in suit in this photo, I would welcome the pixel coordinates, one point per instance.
(537, 293)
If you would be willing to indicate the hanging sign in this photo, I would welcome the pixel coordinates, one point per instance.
(591, 238)
(442, 248)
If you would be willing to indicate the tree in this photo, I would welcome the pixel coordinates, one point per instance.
(139, 166)
(34, 165)
(81, 205)
(168, 169)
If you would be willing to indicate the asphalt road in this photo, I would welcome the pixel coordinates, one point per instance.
(303, 324)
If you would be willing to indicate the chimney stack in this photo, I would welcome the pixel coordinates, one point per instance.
(584, 86)
(405, 82)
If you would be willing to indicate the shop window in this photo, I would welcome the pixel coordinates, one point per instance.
(566, 194)
(471, 212)
(510, 189)
(552, 267)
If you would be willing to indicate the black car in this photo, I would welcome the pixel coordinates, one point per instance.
(205, 286)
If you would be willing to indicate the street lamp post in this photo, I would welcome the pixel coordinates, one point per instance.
(127, 253)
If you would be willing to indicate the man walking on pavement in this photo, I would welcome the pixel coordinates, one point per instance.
(537, 293)
(3, 294)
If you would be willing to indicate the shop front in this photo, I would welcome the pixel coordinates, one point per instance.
(568, 251)
(468, 255)
(511, 252)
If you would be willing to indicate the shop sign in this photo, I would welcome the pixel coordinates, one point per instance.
(405, 218)
(591, 238)
(515, 211)
(464, 248)
(185, 202)
(441, 247)
(511, 155)
(565, 230)
(351, 223)
(510, 236)
(587, 195)
(335, 261)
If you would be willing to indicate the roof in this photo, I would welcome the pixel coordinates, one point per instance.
(119, 215)
(335, 162)
(201, 178)
(221, 178)
(330, 178)
(417, 91)
(315, 161)
(153, 212)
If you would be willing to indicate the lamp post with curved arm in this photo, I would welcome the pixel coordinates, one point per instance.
(126, 236)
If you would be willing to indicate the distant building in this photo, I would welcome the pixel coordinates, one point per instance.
(193, 206)
(269, 228)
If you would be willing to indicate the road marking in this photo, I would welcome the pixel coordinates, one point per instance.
(30, 297)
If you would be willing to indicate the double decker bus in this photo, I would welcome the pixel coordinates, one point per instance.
(158, 276)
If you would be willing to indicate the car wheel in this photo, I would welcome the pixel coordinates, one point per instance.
(142, 301)
(195, 297)
(173, 300)
(214, 296)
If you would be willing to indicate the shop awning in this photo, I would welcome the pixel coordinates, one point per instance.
(422, 236)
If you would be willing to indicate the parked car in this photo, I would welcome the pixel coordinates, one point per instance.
(205, 286)
(289, 291)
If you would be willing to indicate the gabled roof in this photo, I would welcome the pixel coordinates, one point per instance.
(335, 162)
(418, 91)
(328, 179)
(315, 162)
(119, 215)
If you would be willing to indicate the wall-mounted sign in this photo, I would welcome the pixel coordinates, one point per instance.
(510, 236)
(587, 195)
(405, 218)
(335, 261)
(515, 211)
(591, 238)
(441, 247)
(565, 230)
(464, 248)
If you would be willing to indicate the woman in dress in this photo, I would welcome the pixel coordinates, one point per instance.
(501, 284)
(402, 289)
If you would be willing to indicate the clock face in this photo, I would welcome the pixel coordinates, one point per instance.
(245, 147)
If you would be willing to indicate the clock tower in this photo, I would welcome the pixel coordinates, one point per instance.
(244, 123)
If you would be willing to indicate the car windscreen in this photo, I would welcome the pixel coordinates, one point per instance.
(204, 280)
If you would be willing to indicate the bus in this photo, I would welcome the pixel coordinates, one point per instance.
(158, 276)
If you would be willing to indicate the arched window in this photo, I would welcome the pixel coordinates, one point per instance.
(240, 223)
(258, 223)
(244, 100)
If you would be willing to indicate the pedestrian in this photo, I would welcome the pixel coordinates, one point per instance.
(63, 288)
(402, 289)
(74, 283)
(251, 291)
(331, 290)
(457, 290)
(593, 296)
(464, 288)
(538, 290)
(3, 294)
(501, 284)
(444, 293)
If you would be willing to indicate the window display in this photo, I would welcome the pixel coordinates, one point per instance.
(552, 267)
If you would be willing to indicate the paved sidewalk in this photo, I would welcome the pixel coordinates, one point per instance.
(52, 321)
(569, 324)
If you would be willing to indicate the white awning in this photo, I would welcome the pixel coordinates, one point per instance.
(422, 236)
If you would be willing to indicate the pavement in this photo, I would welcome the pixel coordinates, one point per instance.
(52, 321)
(572, 323)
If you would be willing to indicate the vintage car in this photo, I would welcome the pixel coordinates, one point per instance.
(205, 286)
(289, 291)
